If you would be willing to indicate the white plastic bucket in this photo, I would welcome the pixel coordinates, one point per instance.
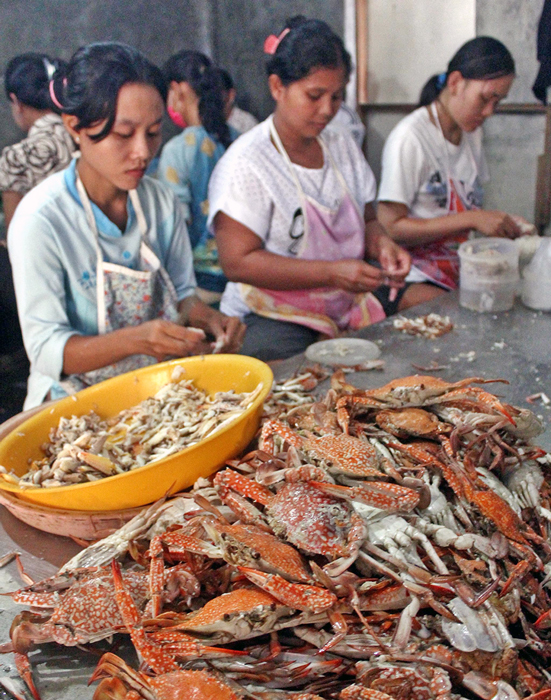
(489, 277)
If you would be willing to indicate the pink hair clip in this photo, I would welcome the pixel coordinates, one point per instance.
(272, 42)
(53, 95)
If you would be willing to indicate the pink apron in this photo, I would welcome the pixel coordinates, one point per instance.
(439, 260)
(125, 297)
(328, 235)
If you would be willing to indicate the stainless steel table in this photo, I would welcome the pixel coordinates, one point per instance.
(513, 345)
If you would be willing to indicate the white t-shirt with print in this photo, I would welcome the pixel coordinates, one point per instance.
(417, 162)
(253, 185)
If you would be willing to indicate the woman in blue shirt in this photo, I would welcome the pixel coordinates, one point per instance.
(196, 103)
(100, 254)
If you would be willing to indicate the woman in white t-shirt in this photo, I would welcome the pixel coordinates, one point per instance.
(291, 211)
(433, 167)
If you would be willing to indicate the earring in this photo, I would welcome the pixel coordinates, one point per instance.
(77, 139)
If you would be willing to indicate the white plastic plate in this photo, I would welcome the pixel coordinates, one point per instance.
(343, 351)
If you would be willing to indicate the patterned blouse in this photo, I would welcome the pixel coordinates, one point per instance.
(46, 149)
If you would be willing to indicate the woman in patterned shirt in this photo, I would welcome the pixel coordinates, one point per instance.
(196, 103)
(48, 146)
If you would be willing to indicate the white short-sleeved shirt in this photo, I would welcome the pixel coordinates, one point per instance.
(253, 185)
(417, 162)
(53, 256)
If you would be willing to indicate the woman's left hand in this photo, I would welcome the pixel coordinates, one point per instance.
(395, 261)
(228, 331)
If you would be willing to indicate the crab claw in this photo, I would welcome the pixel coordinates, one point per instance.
(544, 621)
(359, 692)
(378, 494)
(24, 669)
(295, 595)
(113, 670)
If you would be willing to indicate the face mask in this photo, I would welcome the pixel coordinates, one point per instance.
(176, 117)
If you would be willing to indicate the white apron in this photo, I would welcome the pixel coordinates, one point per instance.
(125, 297)
(328, 235)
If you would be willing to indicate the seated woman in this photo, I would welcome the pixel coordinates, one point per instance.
(47, 147)
(292, 210)
(101, 258)
(433, 167)
(196, 102)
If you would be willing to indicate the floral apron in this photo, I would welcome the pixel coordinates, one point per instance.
(439, 261)
(328, 235)
(125, 297)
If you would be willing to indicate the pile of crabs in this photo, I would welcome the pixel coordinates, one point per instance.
(390, 544)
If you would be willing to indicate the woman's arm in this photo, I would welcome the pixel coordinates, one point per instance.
(244, 259)
(408, 230)
(159, 339)
(394, 260)
(10, 200)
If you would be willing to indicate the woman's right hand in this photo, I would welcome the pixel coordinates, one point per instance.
(355, 276)
(495, 223)
(161, 339)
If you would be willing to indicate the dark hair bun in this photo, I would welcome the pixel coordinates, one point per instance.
(309, 44)
(28, 77)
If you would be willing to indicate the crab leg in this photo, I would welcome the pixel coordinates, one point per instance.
(295, 595)
(177, 540)
(159, 660)
(228, 481)
(478, 395)
(358, 692)
(378, 494)
(23, 667)
(111, 668)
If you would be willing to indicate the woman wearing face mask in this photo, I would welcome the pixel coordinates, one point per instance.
(47, 147)
(101, 258)
(433, 167)
(292, 209)
(196, 103)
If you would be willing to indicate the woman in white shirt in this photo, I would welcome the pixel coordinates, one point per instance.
(433, 167)
(292, 210)
(101, 258)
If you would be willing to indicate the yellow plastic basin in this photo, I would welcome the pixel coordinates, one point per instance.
(142, 485)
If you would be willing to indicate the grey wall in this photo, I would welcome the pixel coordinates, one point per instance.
(239, 30)
(231, 31)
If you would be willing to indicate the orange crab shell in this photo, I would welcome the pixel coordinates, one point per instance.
(243, 543)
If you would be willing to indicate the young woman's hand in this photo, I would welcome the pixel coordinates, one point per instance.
(495, 223)
(355, 276)
(228, 331)
(162, 339)
(395, 261)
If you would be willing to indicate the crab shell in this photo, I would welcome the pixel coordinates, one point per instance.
(239, 614)
(407, 422)
(121, 681)
(315, 522)
(248, 545)
(86, 612)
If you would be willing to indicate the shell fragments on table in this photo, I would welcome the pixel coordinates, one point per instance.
(429, 326)
(86, 448)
